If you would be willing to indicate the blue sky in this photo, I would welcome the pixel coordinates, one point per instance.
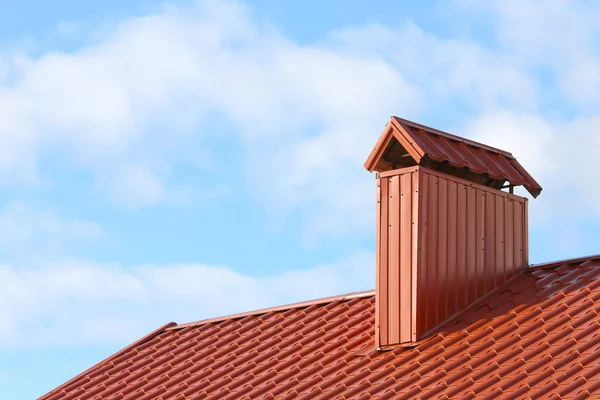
(173, 161)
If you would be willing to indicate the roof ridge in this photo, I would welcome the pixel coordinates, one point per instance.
(454, 137)
(352, 295)
(558, 263)
(301, 304)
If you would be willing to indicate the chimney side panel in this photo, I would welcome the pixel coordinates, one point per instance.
(424, 277)
(394, 268)
(397, 254)
(431, 242)
(461, 274)
(443, 243)
(406, 245)
(453, 270)
(381, 284)
(473, 243)
(377, 258)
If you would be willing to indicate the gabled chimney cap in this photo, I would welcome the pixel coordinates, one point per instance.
(405, 143)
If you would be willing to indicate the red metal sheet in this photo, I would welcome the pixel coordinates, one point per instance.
(525, 224)
(442, 249)
(382, 283)
(378, 263)
(471, 223)
(394, 267)
(419, 141)
(461, 247)
(518, 234)
(464, 234)
(489, 246)
(424, 278)
(453, 269)
(432, 257)
(406, 244)
(479, 243)
(500, 217)
(414, 253)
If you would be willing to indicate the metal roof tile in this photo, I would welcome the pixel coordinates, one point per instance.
(540, 336)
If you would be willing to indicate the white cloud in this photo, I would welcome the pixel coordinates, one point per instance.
(446, 70)
(79, 302)
(135, 185)
(27, 233)
(138, 94)
(559, 41)
(561, 155)
(139, 90)
(530, 138)
(129, 102)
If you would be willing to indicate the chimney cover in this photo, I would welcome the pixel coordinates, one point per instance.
(405, 143)
(447, 235)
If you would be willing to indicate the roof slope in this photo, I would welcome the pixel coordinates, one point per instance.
(536, 336)
(402, 138)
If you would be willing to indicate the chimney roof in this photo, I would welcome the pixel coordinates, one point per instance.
(405, 143)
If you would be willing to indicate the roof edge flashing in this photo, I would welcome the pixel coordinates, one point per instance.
(558, 263)
(285, 307)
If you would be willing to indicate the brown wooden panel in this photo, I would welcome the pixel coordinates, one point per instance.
(394, 260)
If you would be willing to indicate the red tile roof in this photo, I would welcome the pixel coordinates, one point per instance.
(537, 336)
(425, 143)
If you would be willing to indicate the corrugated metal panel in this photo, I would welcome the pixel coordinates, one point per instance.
(436, 149)
(443, 243)
(397, 208)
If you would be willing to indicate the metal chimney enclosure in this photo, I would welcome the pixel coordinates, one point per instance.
(447, 235)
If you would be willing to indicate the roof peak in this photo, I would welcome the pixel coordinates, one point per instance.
(348, 296)
(558, 263)
(405, 143)
(452, 136)
(285, 307)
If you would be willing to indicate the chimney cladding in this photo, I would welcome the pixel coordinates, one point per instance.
(447, 235)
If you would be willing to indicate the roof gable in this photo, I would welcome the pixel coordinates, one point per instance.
(405, 143)
(537, 335)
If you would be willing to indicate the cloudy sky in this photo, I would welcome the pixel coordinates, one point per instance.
(173, 161)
